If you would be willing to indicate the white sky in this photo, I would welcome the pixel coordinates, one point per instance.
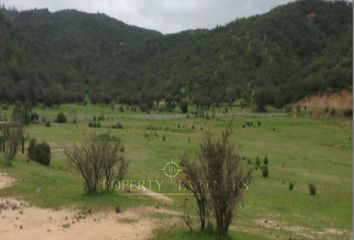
(166, 16)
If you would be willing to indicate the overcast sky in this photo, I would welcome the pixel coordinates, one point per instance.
(166, 16)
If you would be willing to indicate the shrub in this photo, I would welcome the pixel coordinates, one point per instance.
(265, 171)
(20, 115)
(61, 118)
(101, 117)
(99, 163)
(94, 124)
(164, 138)
(243, 103)
(31, 151)
(43, 153)
(184, 107)
(13, 139)
(34, 117)
(5, 106)
(118, 125)
(348, 112)
(220, 168)
(265, 161)
(312, 189)
(291, 186)
(47, 124)
(39, 152)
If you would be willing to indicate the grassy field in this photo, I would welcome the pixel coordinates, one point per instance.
(300, 150)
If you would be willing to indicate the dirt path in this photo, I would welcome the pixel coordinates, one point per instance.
(168, 117)
(18, 220)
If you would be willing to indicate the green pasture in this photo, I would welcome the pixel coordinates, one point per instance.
(300, 150)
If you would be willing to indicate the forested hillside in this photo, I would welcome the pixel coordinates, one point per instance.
(275, 58)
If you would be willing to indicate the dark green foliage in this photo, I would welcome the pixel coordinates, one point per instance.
(348, 112)
(164, 138)
(118, 125)
(266, 161)
(43, 153)
(312, 189)
(61, 118)
(283, 55)
(291, 186)
(39, 152)
(184, 107)
(47, 124)
(34, 117)
(265, 171)
(31, 151)
(94, 124)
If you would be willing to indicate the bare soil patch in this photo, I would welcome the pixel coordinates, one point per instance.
(19, 220)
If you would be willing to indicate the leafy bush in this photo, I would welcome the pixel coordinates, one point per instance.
(61, 118)
(34, 117)
(31, 151)
(265, 171)
(312, 189)
(291, 186)
(94, 124)
(266, 161)
(184, 107)
(39, 152)
(118, 125)
(47, 124)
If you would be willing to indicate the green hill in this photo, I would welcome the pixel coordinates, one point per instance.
(275, 58)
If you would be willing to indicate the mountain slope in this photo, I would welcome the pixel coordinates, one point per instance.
(274, 53)
(275, 58)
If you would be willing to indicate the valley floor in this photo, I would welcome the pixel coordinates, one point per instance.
(300, 150)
